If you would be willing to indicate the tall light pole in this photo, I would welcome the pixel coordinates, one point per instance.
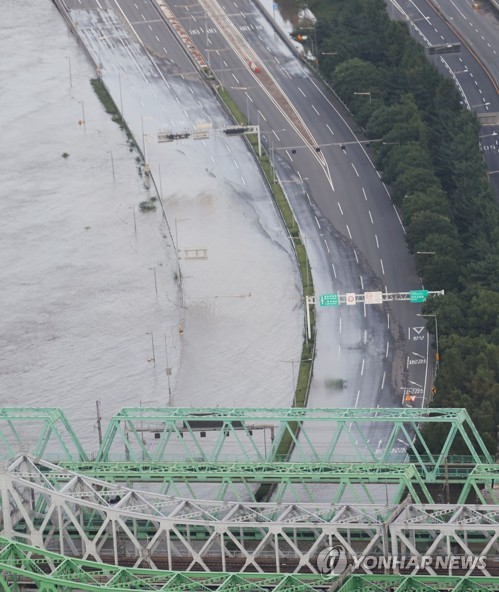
(423, 253)
(363, 94)
(83, 116)
(437, 355)
(246, 89)
(70, 76)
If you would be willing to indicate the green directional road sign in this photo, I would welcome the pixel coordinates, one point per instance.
(329, 300)
(418, 295)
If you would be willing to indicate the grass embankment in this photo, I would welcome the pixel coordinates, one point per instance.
(111, 108)
(286, 444)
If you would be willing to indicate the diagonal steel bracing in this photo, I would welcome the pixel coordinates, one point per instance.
(87, 518)
(483, 484)
(42, 431)
(25, 567)
(325, 435)
(305, 482)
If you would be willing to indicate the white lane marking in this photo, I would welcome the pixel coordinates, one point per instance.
(364, 192)
(235, 162)
(361, 283)
(317, 220)
(227, 146)
(353, 166)
(242, 179)
(157, 38)
(376, 238)
(308, 197)
(327, 246)
(388, 321)
(302, 92)
(251, 100)
(278, 138)
(350, 235)
(313, 107)
(341, 211)
(289, 155)
(340, 326)
(150, 27)
(387, 348)
(365, 336)
(383, 380)
(371, 216)
(403, 229)
(355, 253)
(334, 270)
(262, 115)
(143, 17)
(362, 369)
(190, 88)
(327, 125)
(356, 403)
(382, 267)
(235, 78)
(164, 50)
(277, 60)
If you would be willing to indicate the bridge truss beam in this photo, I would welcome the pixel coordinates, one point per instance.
(44, 431)
(305, 482)
(254, 435)
(90, 519)
(23, 567)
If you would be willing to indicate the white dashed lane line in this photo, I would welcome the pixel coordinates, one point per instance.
(302, 92)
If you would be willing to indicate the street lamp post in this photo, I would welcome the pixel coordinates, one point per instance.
(83, 115)
(437, 354)
(364, 94)
(70, 75)
(424, 253)
(246, 89)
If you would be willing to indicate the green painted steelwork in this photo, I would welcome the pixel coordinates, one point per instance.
(24, 567)
(43, 431)
(397, 583)
(483, 482)
(253, 435)
(345, 481)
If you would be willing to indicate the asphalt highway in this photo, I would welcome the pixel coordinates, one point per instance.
(473, 68)
(317, 152)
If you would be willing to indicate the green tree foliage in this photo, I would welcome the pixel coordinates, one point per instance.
(428, 150)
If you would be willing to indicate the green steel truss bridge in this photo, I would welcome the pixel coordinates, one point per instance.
(27, 568)
(86, 518)
(83, 510)
(252, 435)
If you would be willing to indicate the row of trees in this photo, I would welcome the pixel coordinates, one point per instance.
(430, 157)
